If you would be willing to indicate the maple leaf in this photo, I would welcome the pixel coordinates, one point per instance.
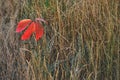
(31, 27)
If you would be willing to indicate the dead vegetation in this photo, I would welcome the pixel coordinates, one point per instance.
(81, 40)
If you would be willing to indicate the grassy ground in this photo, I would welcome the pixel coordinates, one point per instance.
(81, 40)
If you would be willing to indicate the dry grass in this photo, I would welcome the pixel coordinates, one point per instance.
(81, 40)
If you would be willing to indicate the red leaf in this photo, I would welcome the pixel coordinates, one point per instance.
(23, 24)
(39, 31)
(28, 32)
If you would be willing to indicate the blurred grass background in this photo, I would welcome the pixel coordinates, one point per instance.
(81, 40)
